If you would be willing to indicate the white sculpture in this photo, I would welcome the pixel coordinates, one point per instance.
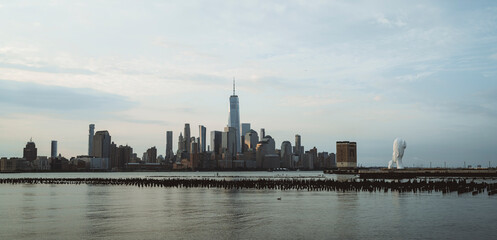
(398, 152)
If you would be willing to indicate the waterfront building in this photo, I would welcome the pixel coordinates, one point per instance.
(152, 155)
(187, 137)
(113, 156)
(181, 143)
(41, 163)
(251, 140)
(203, 138)
(53, 149)
(90, 139)
(30, 151)
(124, 155)
(101, 144)
(229, 142)
(216, 141)
(234, 118)
(245, 130)
(95, 164)
(297, 145)
(169, 145)
(286, 155)
(266, 147)
(346, 154)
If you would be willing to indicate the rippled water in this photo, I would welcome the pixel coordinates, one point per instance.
(129, 212)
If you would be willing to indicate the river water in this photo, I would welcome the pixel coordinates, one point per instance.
(130, 212)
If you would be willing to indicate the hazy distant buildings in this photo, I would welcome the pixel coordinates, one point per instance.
(346, 156)
(101, 145)
(30, 151)
(203, 138)
(53, 149)
(234, 118)
(262, 133)
(90, 139)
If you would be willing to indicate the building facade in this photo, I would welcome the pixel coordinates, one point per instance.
(346, 154)
(234, 117)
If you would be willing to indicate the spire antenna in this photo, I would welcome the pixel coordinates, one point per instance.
(233, 86)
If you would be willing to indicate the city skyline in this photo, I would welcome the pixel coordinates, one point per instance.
(424, 72)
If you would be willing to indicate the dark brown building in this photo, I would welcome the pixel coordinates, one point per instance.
(30, 151)
(346, 154)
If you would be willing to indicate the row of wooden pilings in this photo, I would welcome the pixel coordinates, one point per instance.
(460, 186)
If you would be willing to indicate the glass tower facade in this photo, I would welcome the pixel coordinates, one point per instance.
(234, 117)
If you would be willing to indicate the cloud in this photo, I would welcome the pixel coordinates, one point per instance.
(32, 97)
(381, 19)
(413, 77)
(310, 101)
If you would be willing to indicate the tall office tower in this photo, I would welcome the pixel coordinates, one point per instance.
(216, 140)
(234, 116)
(54, 149)
(187, 137)
(90, 139)
(169, 144)
(286, 154)
(263, 133)
(30, 151)
(203, 138)
(101, 144)
(251, 140)
(229, 141)
(297, 145)
(181, 143)
(245, 128)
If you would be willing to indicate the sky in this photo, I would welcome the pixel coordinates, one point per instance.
(364, 71)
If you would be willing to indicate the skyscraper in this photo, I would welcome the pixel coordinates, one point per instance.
(169, 144)
(90, 139)
(101, 144)
(216, 140)
(297, 145)
(54, 149)
(263, 133)
(229, 141)
(30, 151)
(234, 117)
(203, 138)
(245, 128)
(251, 140)
(187, 137)
(286, 154)
(152, 155)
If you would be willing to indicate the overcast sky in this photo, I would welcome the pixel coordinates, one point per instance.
(364, 71)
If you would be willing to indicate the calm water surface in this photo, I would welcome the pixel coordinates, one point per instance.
(129, 212)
